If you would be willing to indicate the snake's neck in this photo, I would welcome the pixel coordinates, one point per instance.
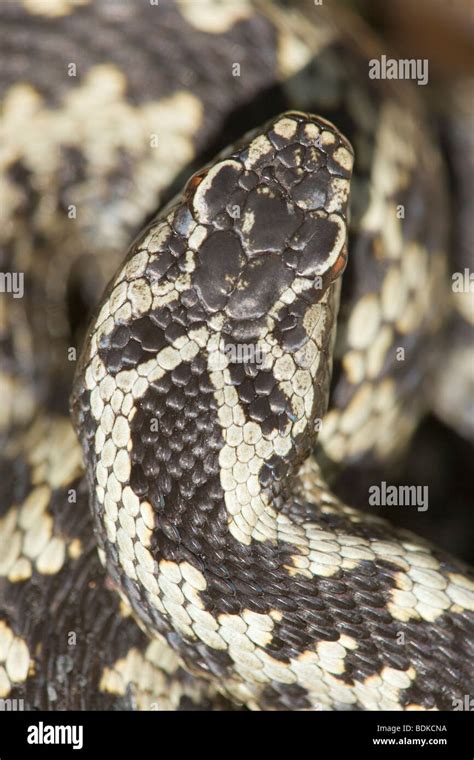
(214, 460)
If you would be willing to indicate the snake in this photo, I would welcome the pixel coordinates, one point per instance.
(175, 422)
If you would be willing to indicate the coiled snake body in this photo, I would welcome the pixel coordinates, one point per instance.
(205, 373)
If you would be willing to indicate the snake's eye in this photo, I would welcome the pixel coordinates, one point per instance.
(194, 183)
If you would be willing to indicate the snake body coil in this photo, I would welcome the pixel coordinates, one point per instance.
(205, 377)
